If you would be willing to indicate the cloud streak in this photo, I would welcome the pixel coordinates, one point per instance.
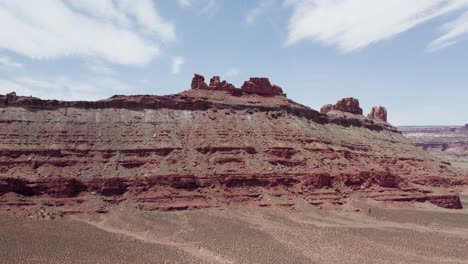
(177, 63)
(257, 11)
(232, 72)
(121, 31)
(455, 30)
(9, 63)
(351, 25)
(64, 88)
(184, 3)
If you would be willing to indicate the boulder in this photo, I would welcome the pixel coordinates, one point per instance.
(378, 113)
(349, 105)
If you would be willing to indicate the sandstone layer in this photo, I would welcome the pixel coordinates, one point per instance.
(211, 146)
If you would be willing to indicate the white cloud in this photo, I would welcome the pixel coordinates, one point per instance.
(63, 88)
(210, 8)
(119, 31)
(354, 24)
(101, 9)
(177, 63)
(147, 17)
(232, 72)
(101, 69)
(9, 63)
(184, 3)
(257, 11)
(204, 7)
(7, 86)
(455, 30)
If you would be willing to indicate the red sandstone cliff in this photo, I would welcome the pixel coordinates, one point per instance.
(209, 146)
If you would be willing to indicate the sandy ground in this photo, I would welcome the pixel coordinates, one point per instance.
(375, 233)
(461, 164)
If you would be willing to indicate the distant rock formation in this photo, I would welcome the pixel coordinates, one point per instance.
(255, 85)
(261, 86)
(466, 126)
(217, 84)
(349, 105)
(378, 113)
(198, 82)
(9, 97)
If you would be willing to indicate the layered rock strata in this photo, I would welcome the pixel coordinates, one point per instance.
(449, 143)
(206, 147)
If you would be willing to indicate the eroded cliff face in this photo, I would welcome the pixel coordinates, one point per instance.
(206, 147)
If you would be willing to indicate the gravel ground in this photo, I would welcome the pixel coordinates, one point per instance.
(361, 233)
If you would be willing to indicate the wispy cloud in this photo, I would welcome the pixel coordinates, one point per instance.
(177, 63)
(121, 31)
(355, 24)
(10, 63)
(455, 30)
(231, 72)
(101, 69)
(64, 88)
(257, 11)
(184, 3)
(7, 86)
(202, 7)
(209, 8)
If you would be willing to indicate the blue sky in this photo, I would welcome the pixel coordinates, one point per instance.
(409, 56)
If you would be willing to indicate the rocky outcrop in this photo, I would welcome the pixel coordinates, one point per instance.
(255, 85)
(204, 148)
(349, 105)
(198, 82)
(261, 86)
(218, 85)
(378, 113)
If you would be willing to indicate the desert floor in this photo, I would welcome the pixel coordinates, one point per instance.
(359, 233)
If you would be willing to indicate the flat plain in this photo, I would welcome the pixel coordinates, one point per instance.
(361, 232)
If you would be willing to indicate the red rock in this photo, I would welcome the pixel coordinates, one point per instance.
(205, 148)
(217, 84)
(214, 82)
(198, 82)
(261, 86)
(326, 108)
(446, 201)
(378, 113)
(255, 85)
(349, 105)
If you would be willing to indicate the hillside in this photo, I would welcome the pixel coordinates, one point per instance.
(210, 146)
